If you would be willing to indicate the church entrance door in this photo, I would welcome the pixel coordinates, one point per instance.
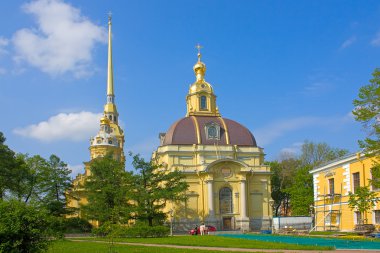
(227, 223)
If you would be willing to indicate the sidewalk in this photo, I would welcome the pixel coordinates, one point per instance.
(231, 249)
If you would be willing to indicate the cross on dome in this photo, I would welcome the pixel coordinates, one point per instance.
(198, 46)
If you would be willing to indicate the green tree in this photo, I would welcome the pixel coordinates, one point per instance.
(367, 112)
(57, 183)
(314, 154)
(291, 181)
(301, 192)
(362, 200)
(375, 172)
(24, 227)
(108, 189)
(8, 167)
(154, 187)
(35, 177)
(282, 179)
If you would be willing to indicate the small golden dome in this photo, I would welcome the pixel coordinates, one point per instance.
(104, 121)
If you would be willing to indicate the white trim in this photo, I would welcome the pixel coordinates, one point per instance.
(346, 159)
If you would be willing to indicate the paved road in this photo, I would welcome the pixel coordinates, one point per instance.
(232, 249)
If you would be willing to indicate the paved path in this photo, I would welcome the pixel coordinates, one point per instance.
(231, 249)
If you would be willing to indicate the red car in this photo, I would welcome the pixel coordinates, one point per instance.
(208, 229)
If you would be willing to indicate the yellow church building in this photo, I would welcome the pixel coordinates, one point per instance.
(332, 184)
(229, 185)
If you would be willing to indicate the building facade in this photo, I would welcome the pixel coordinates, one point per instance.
(332, 184)
(229, 185)
(109, 139)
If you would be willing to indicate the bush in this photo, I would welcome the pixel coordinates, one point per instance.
(23, 228)
(77, 225)
(133, 231)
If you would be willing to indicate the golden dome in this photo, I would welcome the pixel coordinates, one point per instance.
(199, 69)
(104, 121)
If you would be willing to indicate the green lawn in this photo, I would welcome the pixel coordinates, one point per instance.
(93, 247)
(216, 241)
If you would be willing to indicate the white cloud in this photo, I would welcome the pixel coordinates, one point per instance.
(293, 150)
(275, 130)
(3, 44)
(2, 71)
(348, 42)
(376, 41)
(64, 126)
(62, 41)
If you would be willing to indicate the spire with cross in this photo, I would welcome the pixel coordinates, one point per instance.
(198, 46)
(109, 17)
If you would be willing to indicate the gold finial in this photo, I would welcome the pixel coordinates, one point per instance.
(109, 17)
(199, 51)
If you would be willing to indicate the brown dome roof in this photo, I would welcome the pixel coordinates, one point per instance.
(191, 130)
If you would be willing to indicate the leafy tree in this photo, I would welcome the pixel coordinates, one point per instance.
(315, 154)
(7, 167)
(301, 192)
(154, 187)
(108, 189)
(292, 184)
(362, 200)
(23, 227)
(367, 111)
(32, 183)
(375, 172)
(57, 183)
(282, 179)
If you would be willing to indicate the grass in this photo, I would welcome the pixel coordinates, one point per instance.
(216, 241)
(93, 247)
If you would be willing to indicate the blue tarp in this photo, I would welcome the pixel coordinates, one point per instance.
(334, 242)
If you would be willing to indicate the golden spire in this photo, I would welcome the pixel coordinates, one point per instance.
(110, 110)
(110, 92)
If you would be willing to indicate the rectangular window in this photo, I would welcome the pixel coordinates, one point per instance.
(328, 219)
(331, 186)
(203, 103)
(377, 216)
(358, 217)
(356, 181)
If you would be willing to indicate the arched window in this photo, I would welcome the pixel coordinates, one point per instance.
(225, 200)
(203, 103)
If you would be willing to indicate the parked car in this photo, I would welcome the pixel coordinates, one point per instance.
(208, 229)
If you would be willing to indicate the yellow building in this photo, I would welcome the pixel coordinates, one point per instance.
(332, 184)
(110, 137)
(229, 185)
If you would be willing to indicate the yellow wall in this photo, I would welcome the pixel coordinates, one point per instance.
(244, 163)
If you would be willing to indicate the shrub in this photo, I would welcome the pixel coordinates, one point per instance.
(23, 228)
(132, 231)
(77, 225)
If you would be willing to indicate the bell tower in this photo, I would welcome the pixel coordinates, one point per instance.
(110, 137)
(201, 100)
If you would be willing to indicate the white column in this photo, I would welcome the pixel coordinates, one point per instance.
(210, 198)
(243, 200)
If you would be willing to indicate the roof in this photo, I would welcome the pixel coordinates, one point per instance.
(192, 130)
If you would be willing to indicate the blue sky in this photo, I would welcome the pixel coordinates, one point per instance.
(287, 70)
